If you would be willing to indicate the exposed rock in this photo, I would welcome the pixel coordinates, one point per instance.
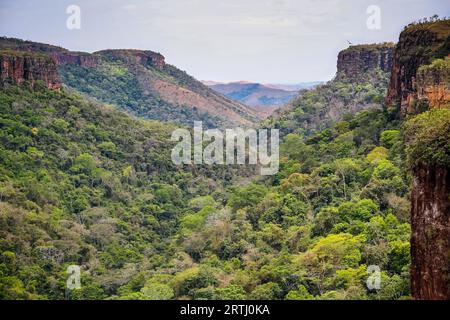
(20, 67)
(357, 63)
(430, 239)
(79, 58)
(418, 45)
(433, 84)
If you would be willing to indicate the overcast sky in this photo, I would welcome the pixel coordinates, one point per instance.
(269, 41)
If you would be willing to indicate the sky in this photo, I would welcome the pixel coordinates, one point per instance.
(266, 41)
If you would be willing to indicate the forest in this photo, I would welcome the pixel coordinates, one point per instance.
(83, 183)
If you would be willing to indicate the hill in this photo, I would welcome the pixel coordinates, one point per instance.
(141, 83)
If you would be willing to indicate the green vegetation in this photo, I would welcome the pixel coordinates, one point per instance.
(428, 138)
(112, 82)
(318, 108)
(84, 184)
(81, 183)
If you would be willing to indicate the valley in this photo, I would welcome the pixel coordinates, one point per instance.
(86, 178)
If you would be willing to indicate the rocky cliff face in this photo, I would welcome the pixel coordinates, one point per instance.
(20, 67)
(433, 85)
(430, 239)
(418, 45)
(79, 58)
(357, 63)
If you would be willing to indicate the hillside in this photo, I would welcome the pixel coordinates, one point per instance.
(141, 83)
(82, 183)
(85, 184)
(360, 83)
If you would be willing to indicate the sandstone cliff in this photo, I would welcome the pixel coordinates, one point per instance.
(358, 63)
(433, 85)
(419, 44)
(420, 84)
(25, 67)
(430, 238)
(428, 148)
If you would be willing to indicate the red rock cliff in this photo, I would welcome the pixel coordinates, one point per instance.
(418, 45)
(358, 62)
(20, 67)
(430, 238)
(428, 148)
(79, 58)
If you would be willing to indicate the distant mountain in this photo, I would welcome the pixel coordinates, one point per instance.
(295, 86)
(264, 98)
(141, 83)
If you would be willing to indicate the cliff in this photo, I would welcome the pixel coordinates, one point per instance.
(428, 149)
(25, 67)
(79, 58)
(419, 44)
(358, 63)
(433, 85)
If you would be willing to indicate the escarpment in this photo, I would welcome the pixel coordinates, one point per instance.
(428, 147)
(359, 62)
(419, 44)
(420, 90)
(24, 67)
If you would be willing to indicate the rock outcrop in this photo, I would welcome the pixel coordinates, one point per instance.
(419, 44)
(420, 88)
(79, 58)
(359, 62)
(25, 67)
(433, 85)
(430, 238)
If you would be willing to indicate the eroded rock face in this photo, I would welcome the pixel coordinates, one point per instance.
(81, 59)
(20, 67)
(357, 62)
(433, 84)
(418, 45)
(430, 239)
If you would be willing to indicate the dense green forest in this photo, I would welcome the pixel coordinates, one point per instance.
(84, 184)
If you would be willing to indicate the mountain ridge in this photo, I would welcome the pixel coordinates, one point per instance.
(264, 98)
(140, 82)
